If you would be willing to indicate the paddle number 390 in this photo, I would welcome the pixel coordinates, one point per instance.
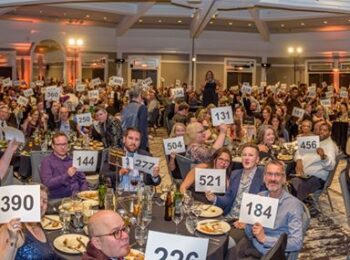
(16, 202)
(258, 210)
(175, 253)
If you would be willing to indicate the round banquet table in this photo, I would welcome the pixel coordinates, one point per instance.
(216, 249)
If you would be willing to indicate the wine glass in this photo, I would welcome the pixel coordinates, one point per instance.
(141, 237)
(178, 215)
(65, 214)
(134, 181)
(146, 215)
(196, 209)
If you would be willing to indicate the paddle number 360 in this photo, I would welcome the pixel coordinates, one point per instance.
(258, 210)
(17, 202)
(175, 253)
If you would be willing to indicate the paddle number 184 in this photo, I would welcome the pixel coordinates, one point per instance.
(258, 210)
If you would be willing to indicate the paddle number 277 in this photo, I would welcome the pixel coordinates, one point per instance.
(258, 210)
(175, 253)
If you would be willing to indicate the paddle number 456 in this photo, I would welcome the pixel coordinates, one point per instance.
(258, 210)
(163, 252)
(308, 145)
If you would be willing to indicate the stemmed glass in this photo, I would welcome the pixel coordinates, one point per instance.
(178, 215)
(141, 237)
(196, 209)
(65, 214)
(146, 218)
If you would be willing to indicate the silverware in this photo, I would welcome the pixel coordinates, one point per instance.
(74, 248)
(208, 207)
(53, 220)
(81, 242)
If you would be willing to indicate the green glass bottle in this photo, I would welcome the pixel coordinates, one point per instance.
(102, 190)
(177, 201)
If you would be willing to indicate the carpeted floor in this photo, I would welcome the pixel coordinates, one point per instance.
(328, 236)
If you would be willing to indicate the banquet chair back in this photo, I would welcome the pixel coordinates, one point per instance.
(8, 178)
(184, 163)
(35, 158)
(104, 157)
(344, 185)
(277, 252)
(317, 194)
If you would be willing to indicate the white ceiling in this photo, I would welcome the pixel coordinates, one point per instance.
(265, 17)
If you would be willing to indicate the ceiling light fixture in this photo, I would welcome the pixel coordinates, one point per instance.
(105, 18)
(140, 20)
(325, 22)
(87, 16)
(230, 23)
(179, 21)
(159, 21)
(249, 24)
(211, 22)
(282, 25)
(302, 24)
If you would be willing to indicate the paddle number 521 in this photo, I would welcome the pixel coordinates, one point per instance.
(175, 253)
(209, 180)
(258, 210)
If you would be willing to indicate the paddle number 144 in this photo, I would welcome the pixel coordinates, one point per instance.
(258, 210)
(85, 161)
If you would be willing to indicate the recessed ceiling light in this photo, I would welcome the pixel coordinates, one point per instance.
(282, 25)
(349, 20)
(325, 22)
(87, 16)
(159, 21)
(105, 18)
(211, 22)
(140, 20)
(302, 24)
(41, 11)
(249, 24)
(179, 21)
(230, 23)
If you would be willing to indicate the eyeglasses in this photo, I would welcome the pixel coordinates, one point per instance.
(223, 160)
(274, 174)
(64, 144)
(117, 233)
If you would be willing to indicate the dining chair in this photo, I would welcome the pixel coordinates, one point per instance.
(35, 159)
(8, 178)
(344, 185)
(185, 164)
(317, 194)
(277, 252)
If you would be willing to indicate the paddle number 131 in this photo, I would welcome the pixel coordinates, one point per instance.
(257, 210)
(175, 253)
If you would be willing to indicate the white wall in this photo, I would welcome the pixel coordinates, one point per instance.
(176, 41)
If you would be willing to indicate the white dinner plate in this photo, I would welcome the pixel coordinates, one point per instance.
(69, 243)
(213, 227)
(210, 211)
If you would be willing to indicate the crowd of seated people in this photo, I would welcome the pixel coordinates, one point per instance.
(121, 119)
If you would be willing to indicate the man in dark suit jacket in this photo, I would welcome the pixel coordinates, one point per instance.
(250, 179)
(131, 141)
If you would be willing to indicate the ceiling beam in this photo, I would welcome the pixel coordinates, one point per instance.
(202, 17)
(6, 10)
(260, 24)
(129, 20)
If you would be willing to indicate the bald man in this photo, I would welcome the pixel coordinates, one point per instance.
(109, 238)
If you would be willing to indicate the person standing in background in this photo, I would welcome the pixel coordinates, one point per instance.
(210, 95)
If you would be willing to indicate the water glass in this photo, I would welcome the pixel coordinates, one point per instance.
(188, 201)
(146, 215)
(196, 209)
(119, 189)
(191, 223)
(141, 237)
(109, 200)
(65, 216)
(78, 222)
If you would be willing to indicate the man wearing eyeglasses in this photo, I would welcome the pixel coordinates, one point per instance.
(259, 240)
(109, 238)
(57, 171)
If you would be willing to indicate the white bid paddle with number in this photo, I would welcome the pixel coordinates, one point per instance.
(145, 163)
(84, 119)
(298, 112)
(308, 144)
(85, 161)
(163, 246)
(256, 208)
(20, 201)
(176, 145)
(210, 179)
(221, 115)
(177, 92)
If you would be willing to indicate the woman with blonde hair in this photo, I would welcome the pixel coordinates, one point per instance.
(265, 139)
(177, 130)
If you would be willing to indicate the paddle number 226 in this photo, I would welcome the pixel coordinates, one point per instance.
(175, 253)
(258, 210)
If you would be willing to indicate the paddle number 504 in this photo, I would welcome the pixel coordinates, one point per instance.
(209, 180)
(258, 210)
(16, 202)
(163, 253)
